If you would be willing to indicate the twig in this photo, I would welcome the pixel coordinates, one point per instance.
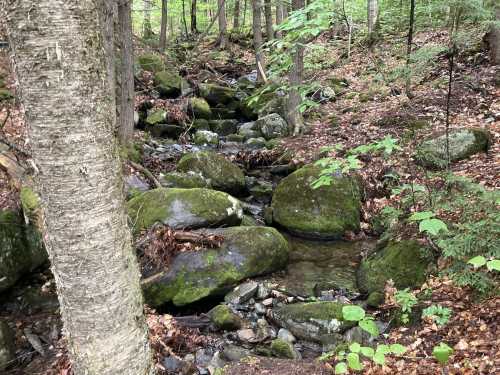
(146, 172)
(5, 119)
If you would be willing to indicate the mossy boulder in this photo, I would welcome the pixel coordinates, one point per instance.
(187, 180)
(339, 85)
(255, 143)
(165, 130)
(200, 124)
(156, 116)
(151, 63)
(316, 321)
(324, 213)
(247, 130)
(169, 84)
(224, 127)
(462, 143)
(235, 138)
(7, 347)
(206, 137)
(245, 252)
(184, 208)
(406, 262)
(215, 94)
(21, 249)
(272, 126)
(222, 174)
(223, 318)
(283, 349)
(199, 108)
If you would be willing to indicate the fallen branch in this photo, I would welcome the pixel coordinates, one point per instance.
(146, 172)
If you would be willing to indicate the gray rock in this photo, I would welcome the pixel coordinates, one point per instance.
(223, 127)
(206, 137)
(188, 180)
(263, 291)
(260, 309)
(247, 335)
(233, 353)
(272, 126)
(203, 357)
(255, 143)
(173, 365)
(7, 348)
(286, 335)
(242, 293)
(134, 184)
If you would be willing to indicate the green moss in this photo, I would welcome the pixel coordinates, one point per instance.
(184, 180)
(303, 312)
(405, 262)
(223, 127)
(5, 95)
(282, 349)
(223, 318)
(375, 299)
(168, 83)
(199, 108)
(223, 174)
(325, 213)
(29, 200)
(200, 124)
(248, 221)
(215, 94)
(158, 116)
(235, 138)
(151, 62)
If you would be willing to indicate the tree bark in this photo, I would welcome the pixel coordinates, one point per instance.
(494, 39)
(236, 15)
(60, 63)
(295, 78)
(257, 38)
(279, 17)
(268, 13)
(194, 28)
(147, 31)
(163, 25)
(408, 49)
(244, 13)
(222, 24)
(126, 86)
(184, 18)
(372, 15)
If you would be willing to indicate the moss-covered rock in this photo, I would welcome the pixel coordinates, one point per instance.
(21, 249)
(206, 137)
(255, 143)
(199, 108)
(187, 180)
(283, 349)
(223, 318)
(215, 94)
(339, 85)
(249, 221)
(223, 127)
(235, 138)
(316, 321)
(405, 262)
(151, 62)
(462, 144)
(169, 84)
(375, 299)
(200, 124)
(326, 212)
(247, 130)
(245, 252)
(156, 116)
(272, 126)
(222, 174)
(184, 208)
(7, 347)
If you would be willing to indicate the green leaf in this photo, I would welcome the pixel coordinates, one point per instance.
(493, 265)
(478, 261)
(341, 368)
(418, 216)
(353, 361)
(442, 352)
(433, 226)
(353, 313)
(369, 326)
(397, 349)
(379, 358)
(367, 351)
(355, 347)
(384, 349)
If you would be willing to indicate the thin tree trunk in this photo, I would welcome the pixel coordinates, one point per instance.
(236, 15)
(244, 13)
(257, 38)
(60, 63)
(372, 15)
(194, 28)
(222, 24)
(408, 49)
(126, 88)
(184, 18)
(295, 78)
(494, 39)
(268, 13)
(279, 17)
(147, 31)
(451, 62)
(163, 25)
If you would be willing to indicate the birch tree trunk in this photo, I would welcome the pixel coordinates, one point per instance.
(295, 77)
(222, 24)
(194, 28)
(268, 13)
(163, 25)
(59, 59)
(372, 15)
(147, 31)
(257, 38)
(236, 15)
(126, 88)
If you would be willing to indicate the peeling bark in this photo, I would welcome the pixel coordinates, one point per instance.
(59, 58)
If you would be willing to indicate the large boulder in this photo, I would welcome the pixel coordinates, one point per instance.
(215, 94)
(184, 208)
(406, 262)
(199, 108)
(150, 62)
(462, 143)
(316, 321)
(187, 180)
(224, 127)
(169, 84)
(272, 126)
(247, 130)
(206, 137)
(245, 252)
(21, 249)
(324, 213)
(222, 174)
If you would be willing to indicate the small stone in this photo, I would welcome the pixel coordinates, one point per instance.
(263, 292)
(203, 357)
(247, 335)
(242, 293)
(260, 309)
(286, 335)
(173, 364)
(268, 302)
(233, 353)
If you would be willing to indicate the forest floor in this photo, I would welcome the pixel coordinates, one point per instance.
(349, 121)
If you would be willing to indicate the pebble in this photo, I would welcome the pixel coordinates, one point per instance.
(242, 293)
(268, 302)
(260, 309)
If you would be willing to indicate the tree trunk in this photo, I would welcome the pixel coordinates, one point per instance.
(372, 15)
(236, 15)
(60, 63)
(244, 13)
(194, 28)
(126, 87)
(279, 17)
(222, 24)
(147, 31)
(268, 13)
(163, 25)
(184, 18)
(408, 49)
(257, 38)
(295, 77)
(494, 39)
